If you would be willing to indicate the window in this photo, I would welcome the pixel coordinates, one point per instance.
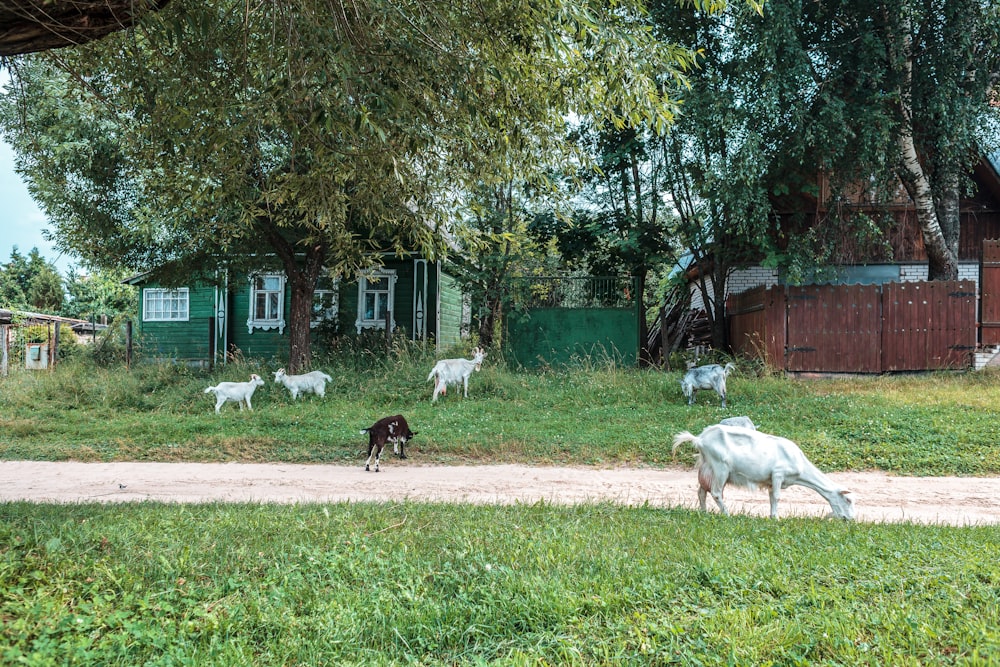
(326, 301)
(267, 302)
(375, 299)
(165, 305)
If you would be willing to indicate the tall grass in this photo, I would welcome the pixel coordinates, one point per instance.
(406, 583)
(594, 413)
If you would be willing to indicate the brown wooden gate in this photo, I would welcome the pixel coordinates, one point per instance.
(928, 325)
(834, 328)
(989, 288)
(858, 328)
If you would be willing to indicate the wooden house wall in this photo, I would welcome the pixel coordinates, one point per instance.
(179, 341)
(260, 343)
(451, 313)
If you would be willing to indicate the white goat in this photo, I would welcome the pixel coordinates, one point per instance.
(749, 458)
(314, 381)
(238, 392)
(712, 376)
(453, 371)
(738, 421)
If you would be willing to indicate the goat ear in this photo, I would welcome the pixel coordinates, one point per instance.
(844, 492)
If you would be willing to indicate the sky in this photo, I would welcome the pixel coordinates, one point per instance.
(21, 220)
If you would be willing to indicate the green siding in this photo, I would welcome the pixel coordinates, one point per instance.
(186, 342)
(190, 341)
(258, 343)
(451, 313)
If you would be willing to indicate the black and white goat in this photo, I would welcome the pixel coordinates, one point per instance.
(453, 371)
(388, 429)
(712, 376)
(746, 457)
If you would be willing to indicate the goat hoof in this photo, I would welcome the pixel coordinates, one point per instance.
(367, 469)
(403, 456)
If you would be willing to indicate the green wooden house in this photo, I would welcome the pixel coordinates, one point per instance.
(198, 323)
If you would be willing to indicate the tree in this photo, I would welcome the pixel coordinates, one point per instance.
(630, 229)
(45, 291)
(39, 25)
(915, 81)
(218, 130)
(99, 294)
(31, 283)
(714, 158)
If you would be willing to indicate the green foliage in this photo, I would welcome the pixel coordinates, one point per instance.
(30, 283)
(41, 333)
(214, 132)
(99, 294)
(413, 583)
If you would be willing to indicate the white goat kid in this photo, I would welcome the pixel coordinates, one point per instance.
(314, 382)
(454, 371)
(238, 392)
(712, 376)
(749, 458)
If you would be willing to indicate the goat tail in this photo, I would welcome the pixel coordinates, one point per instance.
(685, 436)
(210, 390)
(326, 377)
(364, 430)
(433, 373)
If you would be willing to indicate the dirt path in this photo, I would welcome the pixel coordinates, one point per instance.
(878, 497)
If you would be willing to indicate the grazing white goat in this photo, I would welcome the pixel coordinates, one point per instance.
(388, 429)
(314, 381)
(749, 458)
(453, 371)
(738, 421)
(238, 392)
(712, 376)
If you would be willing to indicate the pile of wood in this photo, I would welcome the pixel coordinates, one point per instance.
(677, 327)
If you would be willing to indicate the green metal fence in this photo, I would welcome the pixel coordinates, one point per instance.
(559, 321)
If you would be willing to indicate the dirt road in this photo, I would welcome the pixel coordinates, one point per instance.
(878, 497)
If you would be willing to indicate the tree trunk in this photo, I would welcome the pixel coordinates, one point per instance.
(717, 315)
(39, 25)
(299, 318)
(302, 274)
(645, 357)
(942, 261)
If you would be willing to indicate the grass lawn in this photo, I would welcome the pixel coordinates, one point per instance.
(435, 584)
(934, 424)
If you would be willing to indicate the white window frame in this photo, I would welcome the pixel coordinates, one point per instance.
(331, 312)
(278, 319)
(377, 323)
(180, 295)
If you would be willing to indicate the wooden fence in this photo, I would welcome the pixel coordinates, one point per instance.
(857, 328)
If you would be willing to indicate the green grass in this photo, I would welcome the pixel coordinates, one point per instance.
(932, 424)
(434, 584)
(524, 585)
